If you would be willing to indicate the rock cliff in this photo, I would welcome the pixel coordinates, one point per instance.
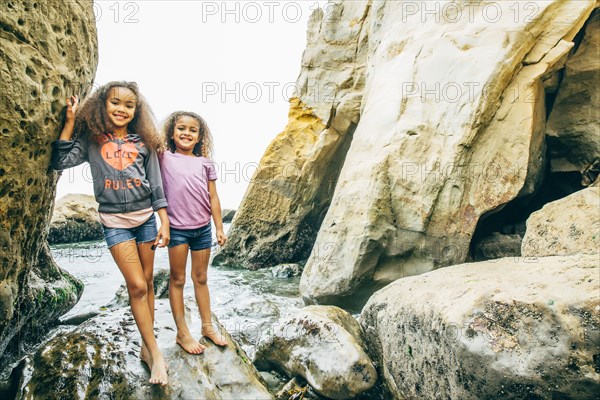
(49, 51)
(436, 120)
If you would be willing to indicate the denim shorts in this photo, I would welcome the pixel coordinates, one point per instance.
(143, 233)
(197, 239)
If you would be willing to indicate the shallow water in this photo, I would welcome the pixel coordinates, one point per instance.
(247, 303)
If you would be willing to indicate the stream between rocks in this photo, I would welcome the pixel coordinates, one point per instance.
(246, 302)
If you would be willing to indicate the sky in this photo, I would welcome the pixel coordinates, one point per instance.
(233, 62)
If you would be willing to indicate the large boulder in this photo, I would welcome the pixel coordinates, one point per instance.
(322, 344)
(574, 125)
(49, 51)
(75, 219)
(290, 191)
(512, 328)
(436, 149)
(100, 360)
(570, 225)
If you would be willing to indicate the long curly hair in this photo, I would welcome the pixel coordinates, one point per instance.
(204, 148)
(92, 122)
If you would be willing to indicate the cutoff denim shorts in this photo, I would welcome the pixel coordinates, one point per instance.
(143, 233)
(197, 239)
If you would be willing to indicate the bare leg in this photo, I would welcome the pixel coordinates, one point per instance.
(147, 259)
(177, 261)
(200, 278)
(127, 258)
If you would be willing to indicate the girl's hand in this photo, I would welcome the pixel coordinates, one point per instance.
(72, 104)
(164, 234)
(221, 238)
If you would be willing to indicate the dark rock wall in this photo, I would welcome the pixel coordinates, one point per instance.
(49, 51)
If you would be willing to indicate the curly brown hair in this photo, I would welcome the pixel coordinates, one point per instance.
(92, 122)
(204, 148)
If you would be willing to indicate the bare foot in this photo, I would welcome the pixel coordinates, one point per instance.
(145, 356)
(189, 344)
(158, 374)
(214, 335)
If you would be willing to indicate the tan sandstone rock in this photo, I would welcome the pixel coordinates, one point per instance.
(75, 206)
(49, 51)
(567, 226)
(511, 328)
(289, 193)
(437, 147)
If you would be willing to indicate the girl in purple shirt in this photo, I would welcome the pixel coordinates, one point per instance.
(189, 178)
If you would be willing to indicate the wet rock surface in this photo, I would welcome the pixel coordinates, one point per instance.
(100, 360)
(508, 328)
(323, 345)
(75, 219)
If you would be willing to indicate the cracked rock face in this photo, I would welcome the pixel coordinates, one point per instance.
(470, 331)
(49, 51)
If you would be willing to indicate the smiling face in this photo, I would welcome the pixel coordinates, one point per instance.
(120, 106)
(186, 134)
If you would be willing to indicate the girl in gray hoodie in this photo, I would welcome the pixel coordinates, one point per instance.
(114, 131)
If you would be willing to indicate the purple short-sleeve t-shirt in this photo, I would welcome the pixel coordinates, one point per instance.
(185, 182)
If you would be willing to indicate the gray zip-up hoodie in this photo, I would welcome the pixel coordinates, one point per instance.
(125, 172)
